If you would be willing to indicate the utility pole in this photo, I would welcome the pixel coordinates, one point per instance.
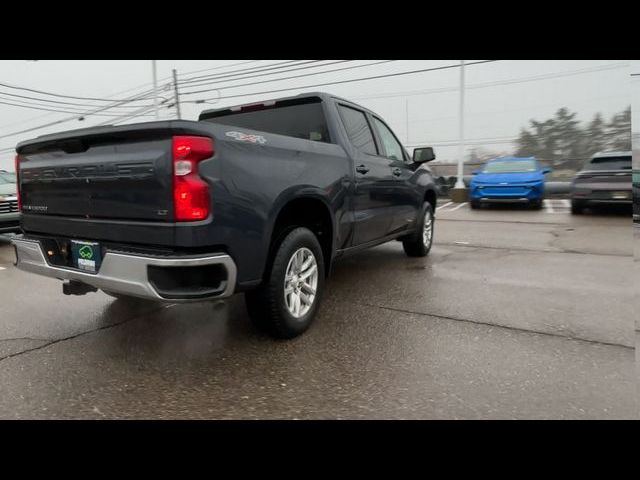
(459, 192)
(177, 95)
(155, 88)
(406, 111)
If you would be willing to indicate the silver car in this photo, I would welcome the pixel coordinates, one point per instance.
(9, 214)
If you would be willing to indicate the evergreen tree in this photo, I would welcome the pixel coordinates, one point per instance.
(567, 135)
(595, 137)
(619, 131)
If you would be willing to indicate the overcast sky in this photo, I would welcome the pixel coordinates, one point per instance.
(422, 108)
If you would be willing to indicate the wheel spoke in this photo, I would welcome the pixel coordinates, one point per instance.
(306, 264)
(308, 288)
(299, 258)
(297, 304)
(309, 272)
(306, 299)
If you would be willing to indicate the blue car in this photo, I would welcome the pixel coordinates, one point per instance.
(509, 180)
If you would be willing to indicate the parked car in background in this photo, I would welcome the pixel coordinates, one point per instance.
(9, 213)
(604, 180)
(509, 180)
(636, 195)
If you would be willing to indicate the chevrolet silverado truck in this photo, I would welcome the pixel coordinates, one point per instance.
(259, 198)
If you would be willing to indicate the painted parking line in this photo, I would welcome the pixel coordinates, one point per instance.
(457, 207)
(2, 268)
(554, 206)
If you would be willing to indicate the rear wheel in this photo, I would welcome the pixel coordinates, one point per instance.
(576, 207)
(536, 204)
(419, 244)
(475, 204)
(286, 303)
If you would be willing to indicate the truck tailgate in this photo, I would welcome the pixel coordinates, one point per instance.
(109, 177)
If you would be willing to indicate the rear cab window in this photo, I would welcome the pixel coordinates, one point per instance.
(299, 118)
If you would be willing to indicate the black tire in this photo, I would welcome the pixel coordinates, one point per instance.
(475, 204)
(576, 207)
(536, 204)
(415, 246)
(266, 304)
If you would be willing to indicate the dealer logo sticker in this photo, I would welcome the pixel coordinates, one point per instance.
(245, 137)
(86, 252)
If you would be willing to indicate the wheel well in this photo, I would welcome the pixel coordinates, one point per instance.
(304, 212)
(430, 196)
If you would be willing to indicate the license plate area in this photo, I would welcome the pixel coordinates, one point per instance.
(86, 256)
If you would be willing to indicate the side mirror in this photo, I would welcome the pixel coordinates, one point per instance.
(546, 170)
(423, 155)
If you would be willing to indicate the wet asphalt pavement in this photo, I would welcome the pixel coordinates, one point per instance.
(515, 314)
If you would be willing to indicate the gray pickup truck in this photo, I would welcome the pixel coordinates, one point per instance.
(258, 198)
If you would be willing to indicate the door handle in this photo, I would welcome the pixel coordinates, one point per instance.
(397, 172)
(361, 169)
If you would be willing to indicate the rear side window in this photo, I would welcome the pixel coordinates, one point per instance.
(301, 120)
(358, 129)
(610, 163)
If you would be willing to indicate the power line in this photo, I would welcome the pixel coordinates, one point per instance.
(118, 103)
(74, 104)
(117, 93)
(127, 116)
(33, 107)
(88, 113)
(295, 76)
(281, 70)
(495, 83)
(345, 81)
(223, 66)
(58, 94)
(235, 73)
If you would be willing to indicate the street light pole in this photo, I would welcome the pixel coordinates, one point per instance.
(155, 88)
(459, 181)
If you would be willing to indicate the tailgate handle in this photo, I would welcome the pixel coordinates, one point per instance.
(74, 146)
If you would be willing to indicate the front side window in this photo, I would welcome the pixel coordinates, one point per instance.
(358, 129)
(392, 147)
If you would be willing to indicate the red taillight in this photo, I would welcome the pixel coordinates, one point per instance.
(17, 165)
(190, 192)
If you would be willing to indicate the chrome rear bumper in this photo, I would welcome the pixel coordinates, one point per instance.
(122, 273)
